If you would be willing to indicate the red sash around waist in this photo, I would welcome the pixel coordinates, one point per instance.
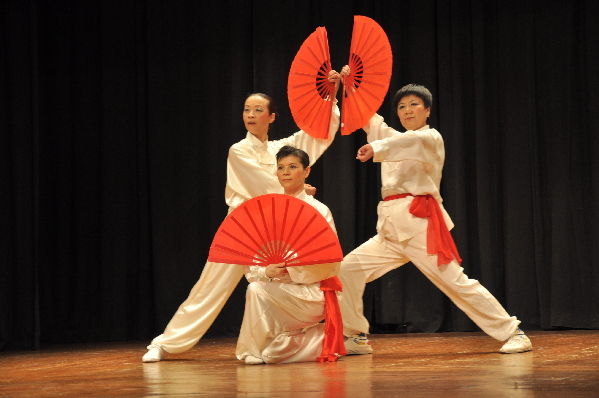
(438, 238)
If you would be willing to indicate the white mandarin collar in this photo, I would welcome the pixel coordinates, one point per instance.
(256, 143)
(302, 195)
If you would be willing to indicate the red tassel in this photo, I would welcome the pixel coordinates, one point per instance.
(333, 344)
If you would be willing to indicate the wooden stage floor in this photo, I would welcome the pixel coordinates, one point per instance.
(443, 365)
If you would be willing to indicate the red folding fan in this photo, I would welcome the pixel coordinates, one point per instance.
(371, 62)
(272, 229)
(309, 91)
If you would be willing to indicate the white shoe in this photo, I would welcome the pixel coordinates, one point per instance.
(517, 343)
(155, 354)
(252, 360)
(358, 344)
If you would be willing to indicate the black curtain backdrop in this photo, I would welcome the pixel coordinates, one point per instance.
(116, 119)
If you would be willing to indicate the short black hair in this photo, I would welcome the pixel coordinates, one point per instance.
(290, 150)
(413, 89)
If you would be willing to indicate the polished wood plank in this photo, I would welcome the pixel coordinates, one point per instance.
(563, 364)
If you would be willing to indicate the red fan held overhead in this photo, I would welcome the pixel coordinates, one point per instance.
(272, 229)
(310, 93)
(370, 62)
(308, 89)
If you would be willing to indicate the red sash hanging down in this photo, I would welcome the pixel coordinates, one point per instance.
(438, 238)
(332, 345)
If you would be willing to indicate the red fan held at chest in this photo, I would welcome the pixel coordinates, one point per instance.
(272, 229)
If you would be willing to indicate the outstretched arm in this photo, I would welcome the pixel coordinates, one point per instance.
(365, 153)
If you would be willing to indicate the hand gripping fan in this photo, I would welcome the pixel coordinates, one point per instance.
(308, 89)
(272, 229)
(370, 62)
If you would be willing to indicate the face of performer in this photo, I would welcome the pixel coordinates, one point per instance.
(292, 174)
(257, 117)
(412, 113)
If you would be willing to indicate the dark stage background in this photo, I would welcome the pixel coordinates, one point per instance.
(116, 118)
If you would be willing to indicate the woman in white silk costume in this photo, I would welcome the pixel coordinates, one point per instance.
(251, 172)
(414, 226)
(284, 306)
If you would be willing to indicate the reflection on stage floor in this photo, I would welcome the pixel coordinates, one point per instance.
(562, 364)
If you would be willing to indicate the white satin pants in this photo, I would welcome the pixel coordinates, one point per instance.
(281, 322)
(377, 256)
(197, 313)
